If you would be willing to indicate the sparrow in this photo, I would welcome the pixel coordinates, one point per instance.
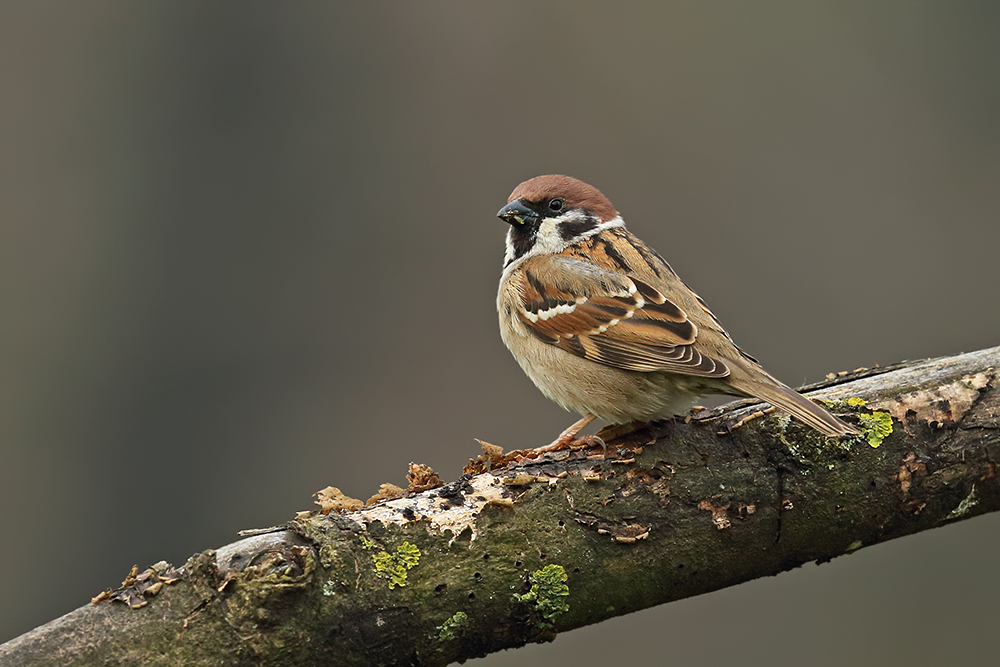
(604, 327)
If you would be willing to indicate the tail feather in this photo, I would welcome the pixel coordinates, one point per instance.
(800, 407)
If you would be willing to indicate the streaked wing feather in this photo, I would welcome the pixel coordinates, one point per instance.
(610, 318)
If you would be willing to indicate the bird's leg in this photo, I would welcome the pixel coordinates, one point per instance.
(567, 437)
(567, 440)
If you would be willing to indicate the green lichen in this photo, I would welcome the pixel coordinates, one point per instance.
(548, 587)
(876, 427)
(449, 628)
(394, 566)
(367, 543)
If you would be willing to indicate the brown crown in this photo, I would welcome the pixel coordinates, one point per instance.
(575, 194)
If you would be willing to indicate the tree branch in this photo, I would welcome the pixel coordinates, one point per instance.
(516, 554)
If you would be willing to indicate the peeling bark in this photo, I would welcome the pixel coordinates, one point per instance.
(517, 554)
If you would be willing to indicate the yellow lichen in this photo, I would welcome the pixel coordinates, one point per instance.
(394, 566)
(876, 427)
(842, 405)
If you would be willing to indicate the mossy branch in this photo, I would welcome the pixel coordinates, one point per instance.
(519, 553)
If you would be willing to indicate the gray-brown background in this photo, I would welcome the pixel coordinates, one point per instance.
(249, 250)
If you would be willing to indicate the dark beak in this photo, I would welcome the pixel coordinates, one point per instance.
(516, 213)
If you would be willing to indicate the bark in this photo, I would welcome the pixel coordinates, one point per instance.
(519, 553)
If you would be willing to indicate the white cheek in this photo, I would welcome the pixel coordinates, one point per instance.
(548, 238)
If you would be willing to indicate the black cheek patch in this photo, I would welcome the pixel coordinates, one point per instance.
(574, 228)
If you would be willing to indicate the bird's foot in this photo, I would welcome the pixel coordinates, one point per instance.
(493, 456)
(568, 438)
(587, 442)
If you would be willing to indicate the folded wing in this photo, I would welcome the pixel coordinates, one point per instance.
(611, 318)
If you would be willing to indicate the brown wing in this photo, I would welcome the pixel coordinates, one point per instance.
(610, 317)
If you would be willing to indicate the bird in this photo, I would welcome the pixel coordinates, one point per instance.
(603, 326)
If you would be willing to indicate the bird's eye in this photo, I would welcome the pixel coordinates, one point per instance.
(556, 204)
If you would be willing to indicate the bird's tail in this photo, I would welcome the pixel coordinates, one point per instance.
(799, 406)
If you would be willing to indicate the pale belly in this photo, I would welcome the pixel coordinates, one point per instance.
(612, 394)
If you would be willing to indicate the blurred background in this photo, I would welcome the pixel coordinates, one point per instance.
(248, 251)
